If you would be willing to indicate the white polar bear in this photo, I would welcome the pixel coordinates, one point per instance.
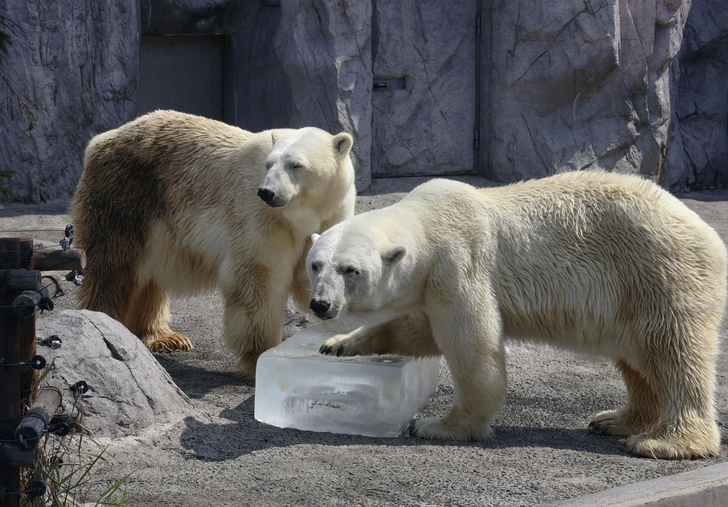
(596, 262)
(167, 203)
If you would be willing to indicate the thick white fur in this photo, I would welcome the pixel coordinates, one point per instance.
(595, 262)
(188, 185)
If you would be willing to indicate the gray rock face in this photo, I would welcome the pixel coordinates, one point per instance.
(294, 63)
(128, 389)
(75, 65)
(577, 84)
(424, 121)
(183, 16)
(327, 46)
(697, 156)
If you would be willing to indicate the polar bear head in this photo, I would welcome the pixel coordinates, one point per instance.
(355, 272)
(308, 165)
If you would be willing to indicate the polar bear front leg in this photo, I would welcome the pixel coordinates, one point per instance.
(300, 286)
(471, 342)
(255, 307)
(407, 335)
(250, 333)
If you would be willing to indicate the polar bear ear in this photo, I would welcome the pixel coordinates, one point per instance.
(395, 254)
(342, 144)
(315, 237)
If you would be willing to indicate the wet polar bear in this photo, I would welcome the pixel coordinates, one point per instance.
(180, 203)
(596, 262)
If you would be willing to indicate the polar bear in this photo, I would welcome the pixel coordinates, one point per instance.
(173, 202)
(595, 262)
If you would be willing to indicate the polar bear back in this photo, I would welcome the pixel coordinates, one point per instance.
(578, 259)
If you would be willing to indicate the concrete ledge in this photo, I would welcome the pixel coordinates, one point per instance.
(704, 487)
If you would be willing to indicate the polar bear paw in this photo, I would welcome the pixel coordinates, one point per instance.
(698, 440)
(343, 345)
(172, 342)
(666, 448)
(437, 428)
(613, 422)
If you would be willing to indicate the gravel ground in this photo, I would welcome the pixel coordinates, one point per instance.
(542, 451)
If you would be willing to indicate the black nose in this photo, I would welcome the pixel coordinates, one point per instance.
(319, 307)
(266, 194)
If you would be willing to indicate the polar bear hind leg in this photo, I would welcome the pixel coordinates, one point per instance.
(641, 412)
(686, 427)
(669, 412)
(112, 286)
(148, 318)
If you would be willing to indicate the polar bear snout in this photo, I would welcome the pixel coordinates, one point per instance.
(321, 309)
(271, 198)
(266, 194)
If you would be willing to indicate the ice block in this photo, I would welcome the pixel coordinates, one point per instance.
(297, 387)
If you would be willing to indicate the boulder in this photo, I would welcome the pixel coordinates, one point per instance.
(128, 389)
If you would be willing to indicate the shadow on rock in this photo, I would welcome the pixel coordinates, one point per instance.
(243, 435)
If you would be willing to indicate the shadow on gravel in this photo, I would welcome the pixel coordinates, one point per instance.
(717, 195)
(243, 435)
(195, 381)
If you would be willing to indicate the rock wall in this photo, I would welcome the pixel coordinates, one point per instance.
(295, 63)
(576, 84)
(74, 62)
(697, 155)
(424, 120)
(324, 49)
(559, 85)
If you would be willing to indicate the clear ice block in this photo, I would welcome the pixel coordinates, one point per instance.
(377, 396)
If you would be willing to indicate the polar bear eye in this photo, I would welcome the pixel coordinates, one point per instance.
(314, 267)
(296, 165)
(350, 271)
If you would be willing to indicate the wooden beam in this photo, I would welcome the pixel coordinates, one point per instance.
(52, 259)
(36, 420)
(26, 332)
(12, 455)
(10, 351)
(19, 279)
(26, 304)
